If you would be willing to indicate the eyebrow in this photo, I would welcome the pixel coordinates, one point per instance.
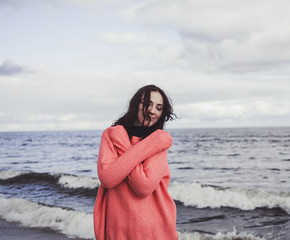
(158, 104)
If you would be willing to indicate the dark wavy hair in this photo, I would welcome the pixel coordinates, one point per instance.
(131, 116)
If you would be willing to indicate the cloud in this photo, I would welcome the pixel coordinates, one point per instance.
(16, 4)
(22, 122)
(93, 5)
(9, 68)
(236, 112)
(143, 50)
(223, 63)
(223, 35)
(127, 38)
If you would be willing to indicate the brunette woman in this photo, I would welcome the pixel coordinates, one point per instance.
(133, 202)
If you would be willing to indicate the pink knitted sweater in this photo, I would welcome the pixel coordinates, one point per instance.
(133, 202)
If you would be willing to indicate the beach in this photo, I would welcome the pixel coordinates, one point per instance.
(13, 231)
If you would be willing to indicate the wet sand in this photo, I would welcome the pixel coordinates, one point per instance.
(14, 231)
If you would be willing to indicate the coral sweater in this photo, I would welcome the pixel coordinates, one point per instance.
(133, 202)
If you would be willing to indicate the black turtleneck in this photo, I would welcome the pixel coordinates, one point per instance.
(139, 131)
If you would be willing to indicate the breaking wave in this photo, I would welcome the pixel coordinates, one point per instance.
(190, 194)
(194, 194)
(79, 224)
(64, 180)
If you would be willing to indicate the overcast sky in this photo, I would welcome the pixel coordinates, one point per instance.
(74, 64)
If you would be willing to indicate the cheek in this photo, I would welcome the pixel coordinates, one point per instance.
(159, 115)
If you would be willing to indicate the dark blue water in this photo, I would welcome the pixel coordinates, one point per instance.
(227, 183)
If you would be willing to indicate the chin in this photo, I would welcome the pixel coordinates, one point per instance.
(152, 124)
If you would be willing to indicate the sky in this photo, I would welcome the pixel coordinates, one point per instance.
(75, 64)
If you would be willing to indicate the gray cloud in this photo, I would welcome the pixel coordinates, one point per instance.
(9, 68)
(222, 63)
(222, 35)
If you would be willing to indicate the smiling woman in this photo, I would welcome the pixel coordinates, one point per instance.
(133, 200)
(149, 108)
(154, 110)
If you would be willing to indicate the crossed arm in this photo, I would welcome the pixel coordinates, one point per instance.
(142, 165)
(147, 175)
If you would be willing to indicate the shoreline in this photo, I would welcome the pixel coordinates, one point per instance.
(13, 230)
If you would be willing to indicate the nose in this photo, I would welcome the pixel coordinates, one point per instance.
(152, 110)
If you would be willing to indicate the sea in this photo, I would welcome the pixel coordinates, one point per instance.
(227, 183)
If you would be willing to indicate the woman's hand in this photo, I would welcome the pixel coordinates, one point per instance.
(163, 138)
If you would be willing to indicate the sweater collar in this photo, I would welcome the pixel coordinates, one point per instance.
(139, 131)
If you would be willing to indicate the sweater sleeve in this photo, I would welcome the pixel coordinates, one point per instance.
(113, 168)
(147, 175)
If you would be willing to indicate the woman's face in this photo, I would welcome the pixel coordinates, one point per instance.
(155, 110)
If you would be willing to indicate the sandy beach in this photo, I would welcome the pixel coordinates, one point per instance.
(13, 231)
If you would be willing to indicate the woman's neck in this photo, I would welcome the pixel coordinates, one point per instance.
(139, 131)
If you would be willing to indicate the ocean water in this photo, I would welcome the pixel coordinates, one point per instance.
(228, 183)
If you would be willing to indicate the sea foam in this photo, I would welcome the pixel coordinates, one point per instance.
(219, 236)
(65, 180)
(32, 214)
(190, 194)
(80, 224)
(11, 174)
(194, 194)
(72, 182)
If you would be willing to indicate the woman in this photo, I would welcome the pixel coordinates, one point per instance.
(133, 202)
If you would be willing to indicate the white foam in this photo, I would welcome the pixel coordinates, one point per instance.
(219, 236)
(79, 224)
(73, 182)
(31, 214)
(11, 174)
(68, 181)
(193, 194)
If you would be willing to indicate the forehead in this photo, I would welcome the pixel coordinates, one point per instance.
(156, 97)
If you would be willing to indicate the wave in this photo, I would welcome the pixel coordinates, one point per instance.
(79, 224)
(194, 194)
(64, 180)
(190, 194)
(11, 174)
(32, 214)
(73, 182)
(219, 236)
